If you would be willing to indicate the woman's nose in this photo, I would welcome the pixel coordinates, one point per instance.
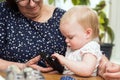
(31, 3)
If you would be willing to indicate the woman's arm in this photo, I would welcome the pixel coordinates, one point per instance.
(31, 63)
(4, 64)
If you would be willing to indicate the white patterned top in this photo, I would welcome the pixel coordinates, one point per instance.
(92, 47)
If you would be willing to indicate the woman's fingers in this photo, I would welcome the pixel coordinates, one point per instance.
(33, 61)
(103, 61)
(112, 75)
(42, 69)
(102, 66)
(101, 70)
(112, 71)
(112, 68)
(33, 64)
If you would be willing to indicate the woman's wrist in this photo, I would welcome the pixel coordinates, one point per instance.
(20, 65)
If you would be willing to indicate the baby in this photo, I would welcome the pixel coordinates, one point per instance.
(80, 27)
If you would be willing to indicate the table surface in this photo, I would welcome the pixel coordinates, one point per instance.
(58, 76)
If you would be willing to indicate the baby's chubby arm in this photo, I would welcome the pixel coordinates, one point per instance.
(83, 68)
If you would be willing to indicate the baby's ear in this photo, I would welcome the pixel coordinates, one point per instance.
(88, 32)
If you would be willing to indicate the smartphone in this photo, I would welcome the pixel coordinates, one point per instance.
(53, 62)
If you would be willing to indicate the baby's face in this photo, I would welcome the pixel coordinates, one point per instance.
(74, 33)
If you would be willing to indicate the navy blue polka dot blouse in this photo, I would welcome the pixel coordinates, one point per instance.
(22, 39)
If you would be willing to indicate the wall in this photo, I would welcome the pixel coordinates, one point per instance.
(115, 24)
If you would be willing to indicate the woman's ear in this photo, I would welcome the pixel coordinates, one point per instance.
(88, 33)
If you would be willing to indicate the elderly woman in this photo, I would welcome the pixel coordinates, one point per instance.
(27, 28)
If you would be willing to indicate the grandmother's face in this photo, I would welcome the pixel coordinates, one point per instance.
(30, 8)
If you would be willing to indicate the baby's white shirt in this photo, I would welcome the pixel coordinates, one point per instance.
(92, 47)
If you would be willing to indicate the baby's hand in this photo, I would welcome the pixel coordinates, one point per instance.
(60, 58)
(55, 55)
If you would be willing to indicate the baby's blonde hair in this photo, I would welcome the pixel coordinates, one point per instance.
(85, 16)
